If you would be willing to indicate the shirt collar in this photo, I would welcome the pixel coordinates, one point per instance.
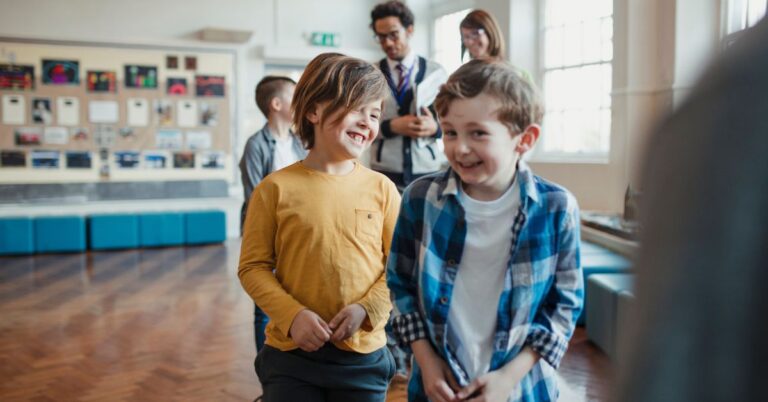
(407, 61)
(449, 183)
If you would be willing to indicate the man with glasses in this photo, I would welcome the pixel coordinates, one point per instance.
(408, 146)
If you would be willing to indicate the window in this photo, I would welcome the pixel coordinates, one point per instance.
(447, 40)
(577, 50)
(742, 14)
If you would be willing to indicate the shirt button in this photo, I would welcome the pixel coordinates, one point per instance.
(370, 216)
(407, 151)
(443, 300)
(451, 263)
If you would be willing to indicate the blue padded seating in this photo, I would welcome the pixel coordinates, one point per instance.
(16, 236)
(602, 316)
(59, 234)
(113, 231)
(161, 229)
(624, 320)
(205, 227)
(597, 259)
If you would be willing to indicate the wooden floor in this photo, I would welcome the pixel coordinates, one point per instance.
(156, 325)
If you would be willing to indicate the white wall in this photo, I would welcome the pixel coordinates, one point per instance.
(660, 48)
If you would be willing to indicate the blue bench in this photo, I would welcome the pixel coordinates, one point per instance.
(59, 234)
(203, 227)
(161, 229)
(16, 236)
(596, 259)
(601, 311)
(113, 231)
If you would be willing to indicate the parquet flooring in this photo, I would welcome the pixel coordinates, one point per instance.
(154, 325)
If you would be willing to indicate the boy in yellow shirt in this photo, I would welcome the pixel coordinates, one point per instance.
(324, 225)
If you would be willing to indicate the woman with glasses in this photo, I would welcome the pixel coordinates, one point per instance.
(481, 36)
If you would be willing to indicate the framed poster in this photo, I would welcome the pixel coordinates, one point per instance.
(209, 85)
(140, 76)
(101, 81)
(61, 72)
(18, 77)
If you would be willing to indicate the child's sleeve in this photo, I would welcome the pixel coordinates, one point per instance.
(257, 261)
(408, 324)
(377, 302)
(555, 320)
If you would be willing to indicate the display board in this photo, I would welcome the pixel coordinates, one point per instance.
(74, 112)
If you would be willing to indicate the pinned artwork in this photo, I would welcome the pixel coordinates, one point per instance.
(138, 112)
(17, 77)
(104, 135)
(190, 63)
(140, 76)
(101, 81)
(209, 85)
(184, 160)
(177, 86)
(13, 159)
(61, 72)
(155, 160)
(163, 112)
(78, 159)
(55, 136)
(209, 114)
(127, 133)
(187, 113)
(45, 159)
(78, 134)
(26, 136)
(14, 110)
(169, 139)
(103, 112)
(127, 159)
(41, 111)
(212, 160)
(198, 140)
(171, 62)
(68, 110)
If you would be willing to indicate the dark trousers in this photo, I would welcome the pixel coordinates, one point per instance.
(327, 375)
(260, 321)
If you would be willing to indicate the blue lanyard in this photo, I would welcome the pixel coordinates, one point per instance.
(401, 96)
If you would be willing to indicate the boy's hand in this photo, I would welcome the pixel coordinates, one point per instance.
(408, 125)
(347, 322)
(309, 331)
(438, 380)
(489, 387)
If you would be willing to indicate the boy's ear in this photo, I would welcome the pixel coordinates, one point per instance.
(275, 103)
(528, 138)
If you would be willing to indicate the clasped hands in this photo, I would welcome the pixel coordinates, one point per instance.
(415, 126)
(310, 332)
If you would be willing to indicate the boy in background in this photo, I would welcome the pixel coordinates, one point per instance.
(269, 149)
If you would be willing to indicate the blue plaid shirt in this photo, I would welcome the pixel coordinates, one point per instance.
(543, 286)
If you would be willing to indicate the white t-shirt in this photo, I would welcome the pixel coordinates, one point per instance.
(480, 278)
(284, 153)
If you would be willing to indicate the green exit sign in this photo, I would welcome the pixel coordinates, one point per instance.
(329, 39)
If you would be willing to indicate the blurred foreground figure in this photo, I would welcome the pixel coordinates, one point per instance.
(702, 316)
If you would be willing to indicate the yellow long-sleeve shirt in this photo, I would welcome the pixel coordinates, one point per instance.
(327, 239)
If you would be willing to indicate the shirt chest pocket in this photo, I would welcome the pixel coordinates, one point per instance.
(368, 225)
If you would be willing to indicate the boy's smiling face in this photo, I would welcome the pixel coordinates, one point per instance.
(481, 149)
(352, 135)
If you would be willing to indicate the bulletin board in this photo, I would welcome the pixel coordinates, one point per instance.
(80, 112)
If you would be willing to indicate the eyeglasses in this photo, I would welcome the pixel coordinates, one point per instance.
(472, 35)
(394, 36)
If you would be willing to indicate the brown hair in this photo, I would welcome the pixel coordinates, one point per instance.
(268, 88)
(392, 9)
(521, 105)
(345, 83)
(480, 19)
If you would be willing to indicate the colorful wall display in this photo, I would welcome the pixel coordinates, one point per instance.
(101, 81)
(61, 72)
(140, 76)
(18, 77)
(176, 86)
(209, 85)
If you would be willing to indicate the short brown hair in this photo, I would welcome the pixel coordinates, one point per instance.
(344, 82)
(268, 88)
(480, 19)
(392, 8)
(521, 105)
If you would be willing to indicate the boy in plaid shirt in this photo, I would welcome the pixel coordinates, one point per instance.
(484, 267)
